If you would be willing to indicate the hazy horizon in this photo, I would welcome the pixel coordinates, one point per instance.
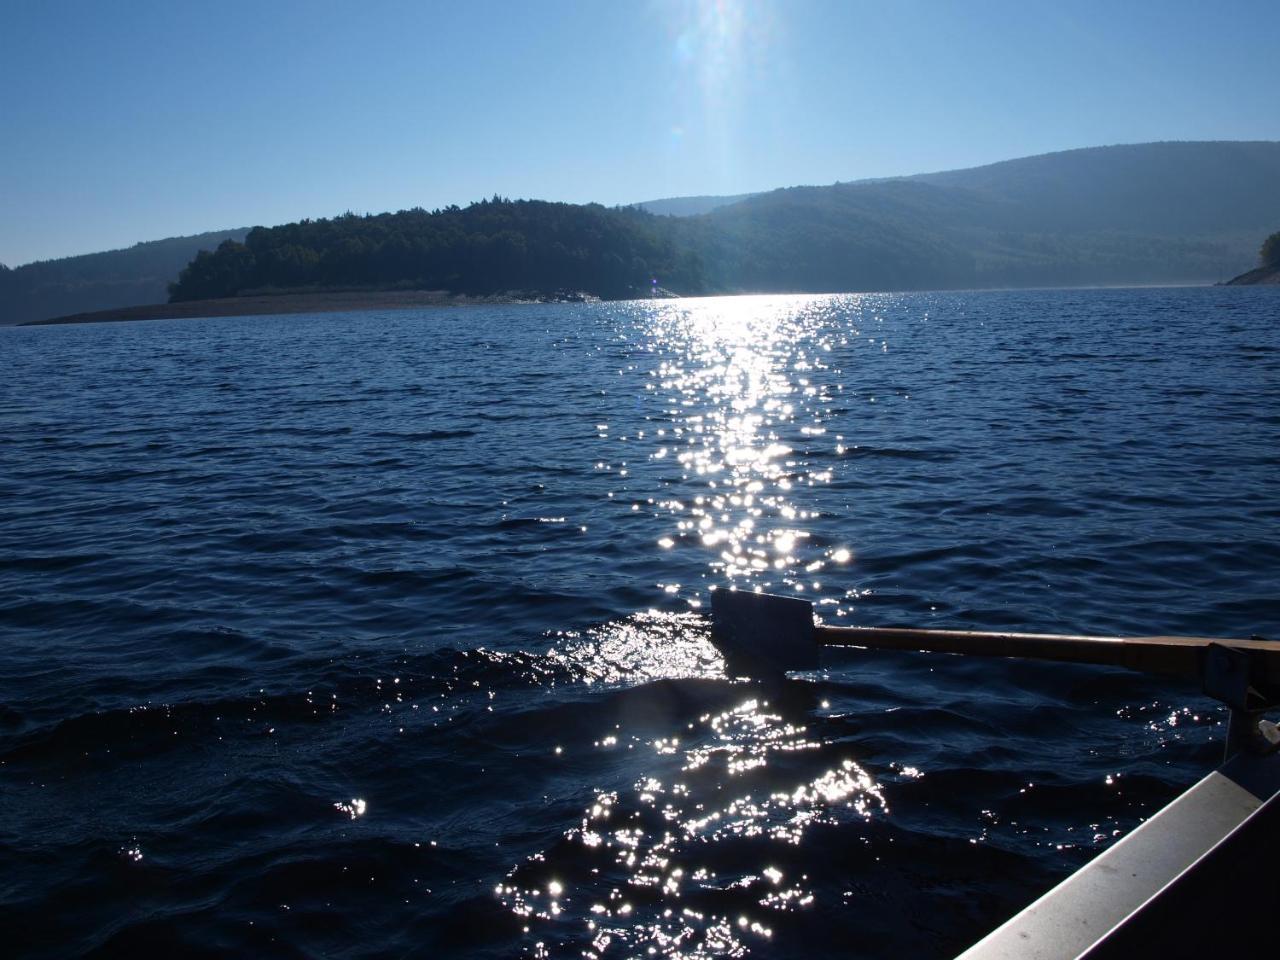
(160, 121)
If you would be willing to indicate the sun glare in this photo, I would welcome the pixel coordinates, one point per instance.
(737, 377)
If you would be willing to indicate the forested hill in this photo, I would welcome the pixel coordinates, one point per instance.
(1129, 187)
(100, 281)
(690, 206)
(1181, 212)
(1268, 271)
(1149, 213)
(1161, 189)
(489, 247)
(1152, 213)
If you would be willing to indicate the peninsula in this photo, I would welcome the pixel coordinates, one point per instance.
(1269, 273)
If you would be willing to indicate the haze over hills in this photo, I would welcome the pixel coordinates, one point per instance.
(1090, 186)
(1146, 213)
(1150, 213)
(98, 281)
(690, 206)
(1161, 188)
(1177, 212)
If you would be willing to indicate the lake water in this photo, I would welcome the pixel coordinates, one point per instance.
(383, 634)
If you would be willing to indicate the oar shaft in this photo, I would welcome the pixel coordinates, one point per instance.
(1176, 656)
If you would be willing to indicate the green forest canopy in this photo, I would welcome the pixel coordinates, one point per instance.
(1146, 213)
(1270, 252)
(491, 246)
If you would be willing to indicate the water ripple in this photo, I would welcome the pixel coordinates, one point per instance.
(385, 633)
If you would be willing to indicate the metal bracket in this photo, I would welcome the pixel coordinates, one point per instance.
(1233, 677)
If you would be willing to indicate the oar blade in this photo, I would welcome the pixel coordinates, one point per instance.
(760, 634)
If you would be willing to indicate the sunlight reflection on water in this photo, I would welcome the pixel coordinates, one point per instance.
(742, 380)
(647, 646)
(733, 386)
(635, 870)
(274, 583)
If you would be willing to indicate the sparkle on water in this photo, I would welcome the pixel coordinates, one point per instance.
(634, 801)
(734, 391)
(730, 392)
(634, 869)
(646, 646)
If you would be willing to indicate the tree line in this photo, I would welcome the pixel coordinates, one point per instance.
(493, 246)
(892, 235)
(1137, 214)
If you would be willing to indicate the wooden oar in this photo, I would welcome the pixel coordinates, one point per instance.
(1172, 656)
(765, 635)
(774, 634)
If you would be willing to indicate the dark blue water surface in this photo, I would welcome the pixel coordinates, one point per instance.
(382, 634)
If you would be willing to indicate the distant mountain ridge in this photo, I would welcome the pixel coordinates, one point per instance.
(1173, 187)
(1146, 214)
(101, 281)
(690, 206)
(1171, 212)
(1176, 212)
(1100, 173)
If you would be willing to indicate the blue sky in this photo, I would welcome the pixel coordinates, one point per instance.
(140, 120)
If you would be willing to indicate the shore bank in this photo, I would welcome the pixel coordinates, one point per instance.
(1263, 276)
(285, 303)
